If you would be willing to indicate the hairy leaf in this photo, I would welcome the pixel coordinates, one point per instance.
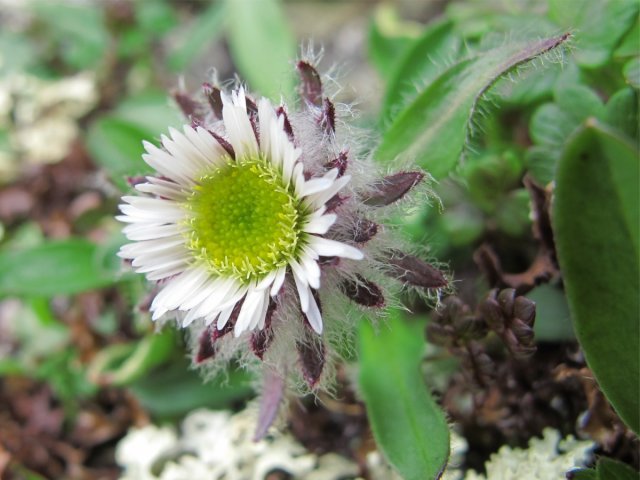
(418, 66)
(434, 128)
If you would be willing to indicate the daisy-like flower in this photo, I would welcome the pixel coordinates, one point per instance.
(230, 219)
(258, 222)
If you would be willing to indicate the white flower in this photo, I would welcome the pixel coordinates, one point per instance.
(227, 219)
(269, 223)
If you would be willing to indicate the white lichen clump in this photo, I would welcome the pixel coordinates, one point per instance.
(219, 446)
(41, 117)
(546, 458)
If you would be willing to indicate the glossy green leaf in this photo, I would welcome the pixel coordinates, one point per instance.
(598, 26)
(433, 130)
(610, 469)
(408, 425)
(419, 65)
(596, 227)
(262, 45)
(54, 268)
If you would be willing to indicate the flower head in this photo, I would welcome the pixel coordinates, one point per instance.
(230, 219)
(255, 218)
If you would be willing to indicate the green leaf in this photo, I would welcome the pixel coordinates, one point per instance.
(121, 364)
(531, 87)
(407, 423)
(177, 389)
(115, 140)
(151, 111)
(596, 227)
(155, 17)
(433, 130)
(262, 45)
(116, 145)
(419, 65)
(583, 474)
(621, 112)
(629, 45)
(632, 72)
(389, 39)
(608, 469)
(553, 320)
(200, 35)
(79, 29)
(550, 125)
(55, 268)
(541, 163)
(579, 102)
(598, 26)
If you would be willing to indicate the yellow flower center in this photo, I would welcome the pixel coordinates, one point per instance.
(244, 221)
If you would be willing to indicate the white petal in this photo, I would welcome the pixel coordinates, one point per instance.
(224, 317)
(139, 232)
(166, 263)
(259, 318)
(301, 285)
(220, 299)
(182, 288)
(239, 130)
(279, 280)
(251, 306)
(162, 273)
(311, 270)
(184, 149)
(320, 225)
(209, 319)
(216, 153)
(131, 250)
(320, 198)
(206, 290)
(266, 281)
(165, 164)
(315, 185)
(314, 316)
(162, 188)
(209, 151)
(330, 248)
(298, 179)
(266, 116)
